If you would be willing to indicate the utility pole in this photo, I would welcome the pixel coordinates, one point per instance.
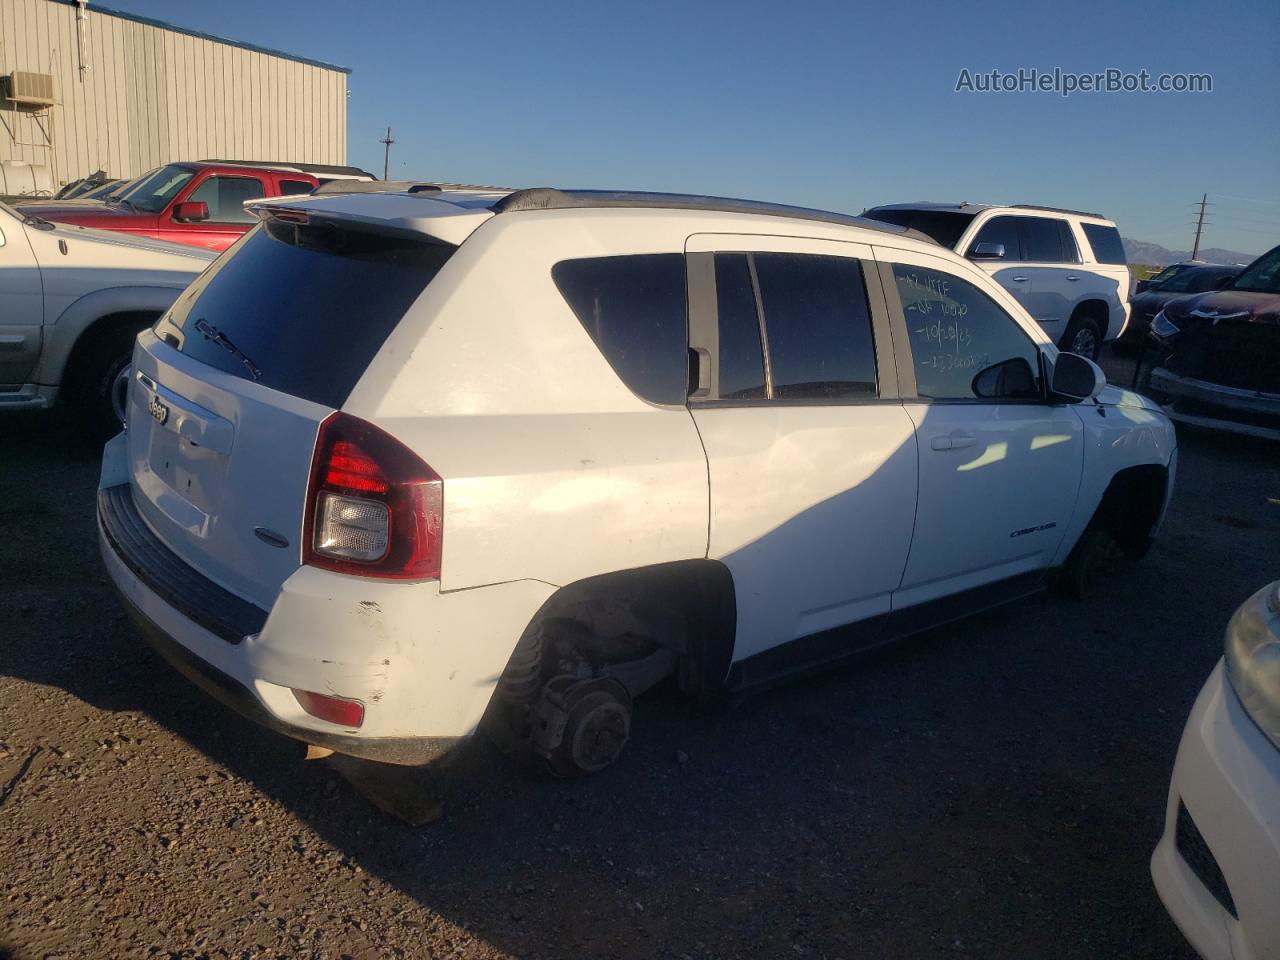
(386, 162)
(1200, 220)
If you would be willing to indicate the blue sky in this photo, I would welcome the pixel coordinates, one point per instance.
(836, 105)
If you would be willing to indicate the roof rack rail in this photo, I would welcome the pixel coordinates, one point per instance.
(550, 198)
(1036, 206)
(396, 186)
(317, 168)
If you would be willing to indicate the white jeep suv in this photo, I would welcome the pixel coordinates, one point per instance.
(1065, 267)
(399, 462)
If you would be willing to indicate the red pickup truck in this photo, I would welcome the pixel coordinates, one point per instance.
(200, 203)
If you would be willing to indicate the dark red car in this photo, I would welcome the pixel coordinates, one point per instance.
(1217, 360)
(200, 203)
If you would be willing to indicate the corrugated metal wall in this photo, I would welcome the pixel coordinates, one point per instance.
(151, 95)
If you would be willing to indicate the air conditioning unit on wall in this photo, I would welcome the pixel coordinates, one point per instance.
(30, 89)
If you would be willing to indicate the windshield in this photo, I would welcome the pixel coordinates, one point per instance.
(153, 193)
(1261, 276)
(104, 191)
(1167, 274)
(944, 226)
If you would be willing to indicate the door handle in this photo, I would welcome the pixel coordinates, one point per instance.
(1018, 279)
(1073, 279)
(957, 441)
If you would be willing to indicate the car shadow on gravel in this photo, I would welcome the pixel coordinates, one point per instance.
(993, 788)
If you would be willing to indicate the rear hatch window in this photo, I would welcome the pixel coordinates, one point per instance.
(302, 309)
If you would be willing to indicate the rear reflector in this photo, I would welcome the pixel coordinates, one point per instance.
(346, 713)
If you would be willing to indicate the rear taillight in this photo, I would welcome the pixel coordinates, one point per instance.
(374, 509)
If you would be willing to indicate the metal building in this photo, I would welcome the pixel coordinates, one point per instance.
(83, 88)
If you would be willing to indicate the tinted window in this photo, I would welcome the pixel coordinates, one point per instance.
(293, 188)
(634, 309)
(957, 332)
(817, 326)
(1041, 241)
(944, 226)
(1001, 230)
(226, 197)
(301, 309)
(741, 356)
(1105, 242)
(1070, 252)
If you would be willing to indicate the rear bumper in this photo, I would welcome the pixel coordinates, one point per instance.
(1217, 866)
(231, 693)
(424, 663)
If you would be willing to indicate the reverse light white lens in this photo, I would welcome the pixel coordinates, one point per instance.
(351, 528)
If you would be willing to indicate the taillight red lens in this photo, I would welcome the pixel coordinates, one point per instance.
(347, 713)
(374, 509)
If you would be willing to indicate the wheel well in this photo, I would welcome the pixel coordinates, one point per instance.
(1131, 506)
(1094, 310)
(678, 616)
(101, 331)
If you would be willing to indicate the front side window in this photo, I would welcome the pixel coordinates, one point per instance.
(998, 230)
(634, 308)
(817, 326)
(154, 193)
(1105, 242)
(226, 197)
(965, 346)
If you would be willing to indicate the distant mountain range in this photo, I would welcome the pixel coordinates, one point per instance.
(1139, 251)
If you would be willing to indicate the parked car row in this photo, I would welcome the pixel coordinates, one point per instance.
(357, 441)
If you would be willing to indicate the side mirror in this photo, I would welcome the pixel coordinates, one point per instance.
(191, 211)
(1142, 285)
(1008, 380)
(987, 251)
(1076, 378)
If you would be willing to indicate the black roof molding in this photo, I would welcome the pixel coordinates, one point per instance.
(549, 198)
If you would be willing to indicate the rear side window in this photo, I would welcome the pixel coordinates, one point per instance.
(301, 309)
(741, 354)
(1001, 230)
(294, 188)
(1105, 242)
(634, 309)
(817, 326)
(1042, 241)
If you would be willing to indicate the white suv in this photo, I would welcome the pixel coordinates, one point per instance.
(398, 461)
(1065, 267)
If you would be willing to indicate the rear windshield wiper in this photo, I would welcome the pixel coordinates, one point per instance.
(210, 332)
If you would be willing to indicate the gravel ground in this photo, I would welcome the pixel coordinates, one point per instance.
(989, 790)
